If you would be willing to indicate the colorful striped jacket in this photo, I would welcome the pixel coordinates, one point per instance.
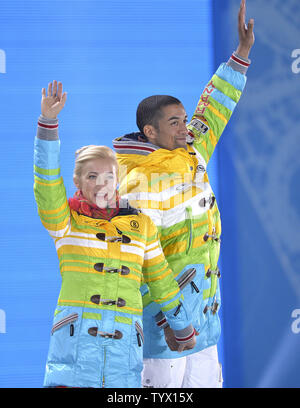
(173, 188)
(97, 332)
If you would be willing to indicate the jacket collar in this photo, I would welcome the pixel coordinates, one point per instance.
(125, 209)
(134, 143)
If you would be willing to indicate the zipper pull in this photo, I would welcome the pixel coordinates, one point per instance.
(195, 286)
(178, 309)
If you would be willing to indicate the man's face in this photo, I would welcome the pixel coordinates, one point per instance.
(98, 182)
(172, 132)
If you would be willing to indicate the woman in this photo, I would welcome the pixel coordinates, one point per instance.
(106, 250)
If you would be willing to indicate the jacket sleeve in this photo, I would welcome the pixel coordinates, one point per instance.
(163, 288)
(49, 190)
(216, 105)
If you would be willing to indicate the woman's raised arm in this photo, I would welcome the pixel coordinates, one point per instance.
(49, 189)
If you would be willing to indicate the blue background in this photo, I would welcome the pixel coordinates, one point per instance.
(109, 55)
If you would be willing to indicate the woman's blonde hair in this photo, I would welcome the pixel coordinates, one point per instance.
(92, 152)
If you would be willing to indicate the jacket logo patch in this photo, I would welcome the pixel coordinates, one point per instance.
(134, 224)
(200, 126)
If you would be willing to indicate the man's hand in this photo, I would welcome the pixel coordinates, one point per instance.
(174, 345)
(170, 339)
(246, 34)
(55, 100)
(187, 346)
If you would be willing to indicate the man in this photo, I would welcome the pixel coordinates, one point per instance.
(164, 174)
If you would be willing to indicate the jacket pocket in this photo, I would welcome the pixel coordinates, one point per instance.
(68, 320)
(136, 347)
(64, 339)
(139, 334)
(186, 278)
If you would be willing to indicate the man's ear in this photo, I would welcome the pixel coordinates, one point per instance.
(150, 132)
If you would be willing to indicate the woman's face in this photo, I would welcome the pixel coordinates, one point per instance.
(98, 182)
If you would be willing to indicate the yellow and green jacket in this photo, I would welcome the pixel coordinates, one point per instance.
(172, 187)
(97, 334)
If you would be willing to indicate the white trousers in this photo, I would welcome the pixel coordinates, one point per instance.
(198, 370)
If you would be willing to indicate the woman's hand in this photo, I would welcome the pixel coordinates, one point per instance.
(246, 34)
(54, 101)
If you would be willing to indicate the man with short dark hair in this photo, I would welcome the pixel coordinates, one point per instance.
(150, 118)
(164, 174)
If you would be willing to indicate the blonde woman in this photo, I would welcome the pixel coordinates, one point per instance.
(106, 250)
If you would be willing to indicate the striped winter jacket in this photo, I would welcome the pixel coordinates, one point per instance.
(173, 188)
(97, 335)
